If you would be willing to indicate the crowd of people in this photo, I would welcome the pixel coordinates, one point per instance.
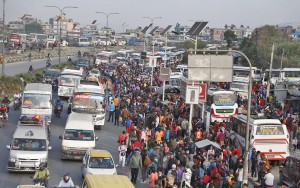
(158, 139)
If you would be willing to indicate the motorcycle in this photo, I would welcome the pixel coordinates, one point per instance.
(54, 86)
(48, 63)
(17, 103)
(39, 182)
(57, 110)
(3, 118)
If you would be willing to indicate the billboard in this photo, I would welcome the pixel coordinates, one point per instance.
(191, 94)
(202, 90)
(210, 68)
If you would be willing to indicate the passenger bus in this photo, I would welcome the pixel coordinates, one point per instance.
(269, 136)
(38, 38)
(84, 42)
(124, 54)
(291, 74)
(67, 80)
(256, 73)
(105, 57)
(36, 99)
(17, 38)
(52, 39)
(223, 104)
(88, 98)
(240, 85)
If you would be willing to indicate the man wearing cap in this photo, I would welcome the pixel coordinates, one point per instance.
(135, 164)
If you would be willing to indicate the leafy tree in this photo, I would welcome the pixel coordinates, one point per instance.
(229, 36)
(33, 28)
(258, 48)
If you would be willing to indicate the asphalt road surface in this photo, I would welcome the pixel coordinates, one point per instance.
(107, 140)
(12, 69)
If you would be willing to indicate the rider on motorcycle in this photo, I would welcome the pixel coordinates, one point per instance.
(3, 110)
(6, 101)
(66, 181)
(42, 174)
(58, 103)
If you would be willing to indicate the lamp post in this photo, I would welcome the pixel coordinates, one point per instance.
(152, 19)
(3, 61)
(107, 15)
(124, 25)
(60, 13)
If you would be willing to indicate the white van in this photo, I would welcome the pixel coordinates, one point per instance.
(79, 136)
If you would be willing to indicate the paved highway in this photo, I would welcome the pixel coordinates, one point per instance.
(12, 69)
(107, 140)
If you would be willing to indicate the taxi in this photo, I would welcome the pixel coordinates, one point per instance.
(98, 161)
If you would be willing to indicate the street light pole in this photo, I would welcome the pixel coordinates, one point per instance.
(152, 19)
(59, 42)
(246, 153)
(3, 47)
(107, 15)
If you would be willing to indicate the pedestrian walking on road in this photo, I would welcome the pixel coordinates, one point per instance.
(134, 165)
(30, 56)
(111, 110)
(122, 154)
(117, 116)
(294, 143)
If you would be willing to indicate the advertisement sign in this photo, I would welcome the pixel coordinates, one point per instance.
(191, 95)
(152, 61)
(202, 90)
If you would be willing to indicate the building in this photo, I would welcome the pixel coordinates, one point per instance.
(217, 34)
(67, 25)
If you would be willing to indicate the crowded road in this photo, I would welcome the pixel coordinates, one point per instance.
(107, 140)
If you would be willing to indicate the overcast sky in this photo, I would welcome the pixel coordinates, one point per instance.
(253, 13)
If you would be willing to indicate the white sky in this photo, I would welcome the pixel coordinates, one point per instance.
(251, 13)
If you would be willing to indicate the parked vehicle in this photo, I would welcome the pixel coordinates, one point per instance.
(96, 181)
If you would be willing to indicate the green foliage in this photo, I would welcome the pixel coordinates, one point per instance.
(258, 48)
(229, 36)
(33, 28)
(9, 85)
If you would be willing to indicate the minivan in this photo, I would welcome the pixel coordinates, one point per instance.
(78, 137)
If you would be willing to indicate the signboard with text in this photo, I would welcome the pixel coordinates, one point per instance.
(191, 94)
(202, 90)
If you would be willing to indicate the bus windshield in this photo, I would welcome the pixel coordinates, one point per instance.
(239, 86)
(224, 99)
(87, 102)
(68, 80)
(269, 130)
(36, 101)
(73, 134)
(25, 144)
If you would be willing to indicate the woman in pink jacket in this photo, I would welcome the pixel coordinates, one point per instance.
(153, 177)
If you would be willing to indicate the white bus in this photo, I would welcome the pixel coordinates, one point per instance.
(84, 42)
(290, 74)
(240, 85)
(124, 54)
(37, 100)
(67, 80)
(105, 57)
(256, 73)
(223, 104)
(88, 98)
(269, 136)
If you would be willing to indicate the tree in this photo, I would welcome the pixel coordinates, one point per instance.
(229, 36)
(258, 48)
(33, 28)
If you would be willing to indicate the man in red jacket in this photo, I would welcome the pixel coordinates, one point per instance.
(122, 137)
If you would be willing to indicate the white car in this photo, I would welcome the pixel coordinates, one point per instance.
(98, 161)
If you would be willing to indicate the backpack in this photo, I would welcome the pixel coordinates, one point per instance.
(171, 179)
(147, 161)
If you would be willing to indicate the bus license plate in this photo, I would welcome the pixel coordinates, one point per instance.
(270, 156)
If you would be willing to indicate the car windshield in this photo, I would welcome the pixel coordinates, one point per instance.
(29, 144)
(36, 101)
(101, 162)
(73, 134)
